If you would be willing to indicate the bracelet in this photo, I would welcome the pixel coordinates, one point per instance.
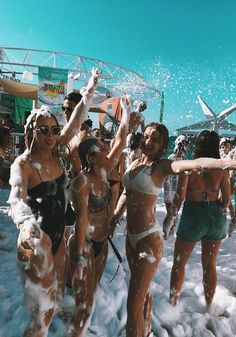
(79, 258)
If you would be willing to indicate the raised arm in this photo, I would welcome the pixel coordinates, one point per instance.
(174, 167)
(80, 112)
(120, 139)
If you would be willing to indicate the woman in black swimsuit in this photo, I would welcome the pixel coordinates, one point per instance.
(38, 204)
(91, 196)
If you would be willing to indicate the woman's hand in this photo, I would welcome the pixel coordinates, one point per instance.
(113, 224)
(126, 104)
(168, 224)
(93, 81)
(28, 233)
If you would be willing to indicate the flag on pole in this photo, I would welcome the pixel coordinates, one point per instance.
(162, 107)
(53, 89)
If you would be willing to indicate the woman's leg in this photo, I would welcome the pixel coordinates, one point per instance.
(210, 250)
(41, 286)
(84, 293)
(143, 262)
(60, 266)
(69, 230)
(182, 251)
(100, 261)
(147, 314)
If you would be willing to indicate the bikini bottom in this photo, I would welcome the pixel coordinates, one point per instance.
(134, 238)
(97, 246)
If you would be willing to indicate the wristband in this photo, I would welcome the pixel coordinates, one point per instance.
(79, 258)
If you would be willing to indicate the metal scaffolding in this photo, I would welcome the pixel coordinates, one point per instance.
(115, 78)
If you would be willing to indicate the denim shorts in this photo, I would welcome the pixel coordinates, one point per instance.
(202, 220)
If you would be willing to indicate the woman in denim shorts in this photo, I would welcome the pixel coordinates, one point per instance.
(206, 195)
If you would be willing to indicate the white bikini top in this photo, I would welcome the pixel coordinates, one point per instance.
(141, 182)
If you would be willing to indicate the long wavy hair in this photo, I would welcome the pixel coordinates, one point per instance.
(164, 140)
(207, 145)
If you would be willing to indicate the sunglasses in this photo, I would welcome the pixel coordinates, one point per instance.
(45, 130)
(67, 109)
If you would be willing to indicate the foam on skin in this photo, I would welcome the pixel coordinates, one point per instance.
(88, 95)
(125, 104)
(34, 250)
(20, 211)
(80, 113)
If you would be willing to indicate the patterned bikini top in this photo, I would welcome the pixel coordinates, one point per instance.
(98, 203)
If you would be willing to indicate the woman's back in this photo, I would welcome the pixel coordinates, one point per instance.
(206, 181)
(208, 186)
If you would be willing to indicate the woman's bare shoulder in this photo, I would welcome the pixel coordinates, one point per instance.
(162, 165)
(80, 180)
(23, 161)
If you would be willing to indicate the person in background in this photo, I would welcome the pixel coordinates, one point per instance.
(206, 196)
(98, 133)
(7, 121)
(91, 196)
(73, 163)
(38, 203)
(226, 147)
(5, 156)
(171, 182)
(137, 119)
(70, 102)
(143, 181)
(232, 207)
(133, 151)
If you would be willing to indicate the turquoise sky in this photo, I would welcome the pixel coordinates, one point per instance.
(185, 48)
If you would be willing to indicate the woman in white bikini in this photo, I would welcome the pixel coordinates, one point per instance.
(144, 244)
(38, 205)
(91, 197)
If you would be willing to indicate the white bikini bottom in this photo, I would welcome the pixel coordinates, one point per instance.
(134, 238)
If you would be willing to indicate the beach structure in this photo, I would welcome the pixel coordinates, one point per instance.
(212, 121)
(19, 71)
(30, 78)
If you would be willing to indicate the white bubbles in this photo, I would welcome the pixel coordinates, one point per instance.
(225, 101)
(181, 84)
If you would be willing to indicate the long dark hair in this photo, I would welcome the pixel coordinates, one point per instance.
(164, 140)
(207, 145)
(84, 151)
